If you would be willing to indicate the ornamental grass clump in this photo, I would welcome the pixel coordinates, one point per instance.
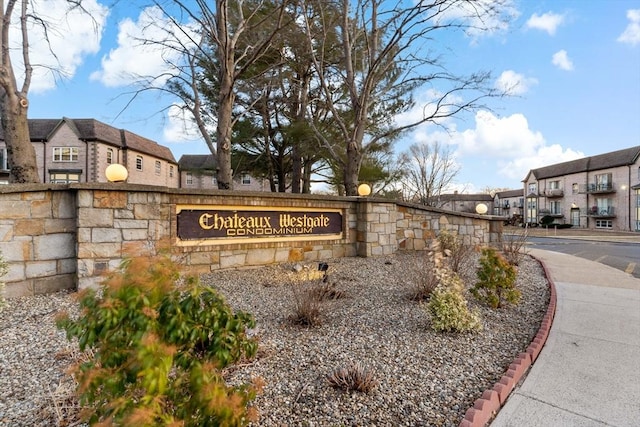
(159, 345)
(356, 377)
(496, 280)
(447, 305)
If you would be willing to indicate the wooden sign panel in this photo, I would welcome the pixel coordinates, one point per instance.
(224, 223)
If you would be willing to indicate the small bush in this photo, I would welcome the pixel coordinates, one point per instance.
(354, 377)
(159, 350)
(327, 291)
(514, 246)
(496, 280)
(306, 310)
(454, 248)
(448, 307)
(424, 280)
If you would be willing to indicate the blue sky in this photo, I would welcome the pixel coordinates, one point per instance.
(576, 66)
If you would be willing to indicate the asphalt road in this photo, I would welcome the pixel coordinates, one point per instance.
(622, 256)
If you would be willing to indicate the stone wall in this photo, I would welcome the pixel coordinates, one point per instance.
(67, 236)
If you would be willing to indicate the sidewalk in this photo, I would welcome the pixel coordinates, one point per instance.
(588, 372)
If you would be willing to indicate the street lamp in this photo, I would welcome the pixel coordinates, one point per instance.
(364, 190)
(481, 209)
(116, 173)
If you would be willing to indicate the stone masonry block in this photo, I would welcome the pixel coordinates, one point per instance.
(109, 199)
(28, 227)
(103, 235)
(54, 246)
(145, 211)
(62, 225)
(14, 209)
(228, 261)
(90, 217)
(135, 234)
(40, 269)
(261, 256)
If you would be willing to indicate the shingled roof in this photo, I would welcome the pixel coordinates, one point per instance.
(197, 162)
(510, 193)
(613, 159)
(40, 130)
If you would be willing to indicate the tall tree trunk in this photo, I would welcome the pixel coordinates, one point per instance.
(352, 169)
(20, 152)
(226, 97)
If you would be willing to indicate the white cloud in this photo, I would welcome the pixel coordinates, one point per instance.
(497, 137)
(544, 156)
(483, 17)
(72, 35)
(180, 126)
(548, 22)
(631, 34)
(513, 83)
(133, 59)
(510, 145)
(561, 60)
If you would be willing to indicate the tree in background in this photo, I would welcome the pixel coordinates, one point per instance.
(14, 103)
(379, 68)
(428, 169)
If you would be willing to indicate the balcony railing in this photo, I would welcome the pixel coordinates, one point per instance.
(596, 188)
(556, 213)
(553, 192)
(600, 211)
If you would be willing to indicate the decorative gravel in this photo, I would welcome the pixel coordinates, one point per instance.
(425, 378)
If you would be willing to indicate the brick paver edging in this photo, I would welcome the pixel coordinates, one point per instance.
(485, 408)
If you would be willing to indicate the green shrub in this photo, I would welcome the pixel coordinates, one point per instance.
(448, 307)
(159, 346)
(496, 280)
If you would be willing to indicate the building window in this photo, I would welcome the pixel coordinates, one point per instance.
(158, 167)
(603, 206)
(65, 154)
(189, 178)
(575, 188)
(214, 181)
(139, 163)
(170, 171)
(555, 208)
(3, 159)
(603, 182)
(64, 177)
(554, 185)
(246, 179)
(109, 155)
(533, 187)
(604, 223)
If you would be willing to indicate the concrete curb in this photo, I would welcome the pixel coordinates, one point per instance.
(486, 408)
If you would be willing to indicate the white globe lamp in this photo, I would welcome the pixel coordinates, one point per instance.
(116, 173)
(481, 209)
(364, 190)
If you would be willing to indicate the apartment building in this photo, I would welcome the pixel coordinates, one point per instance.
(79, 150)
(600, 192)
(460, 202)
(198, 171)
(508, 203)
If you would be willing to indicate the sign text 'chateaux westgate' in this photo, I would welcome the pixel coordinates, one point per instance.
(213, 223)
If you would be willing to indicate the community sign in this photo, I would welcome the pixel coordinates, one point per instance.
(233, 223)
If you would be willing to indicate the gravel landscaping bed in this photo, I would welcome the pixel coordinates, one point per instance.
(425, 378)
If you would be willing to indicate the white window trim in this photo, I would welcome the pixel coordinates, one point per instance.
(58, 154)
